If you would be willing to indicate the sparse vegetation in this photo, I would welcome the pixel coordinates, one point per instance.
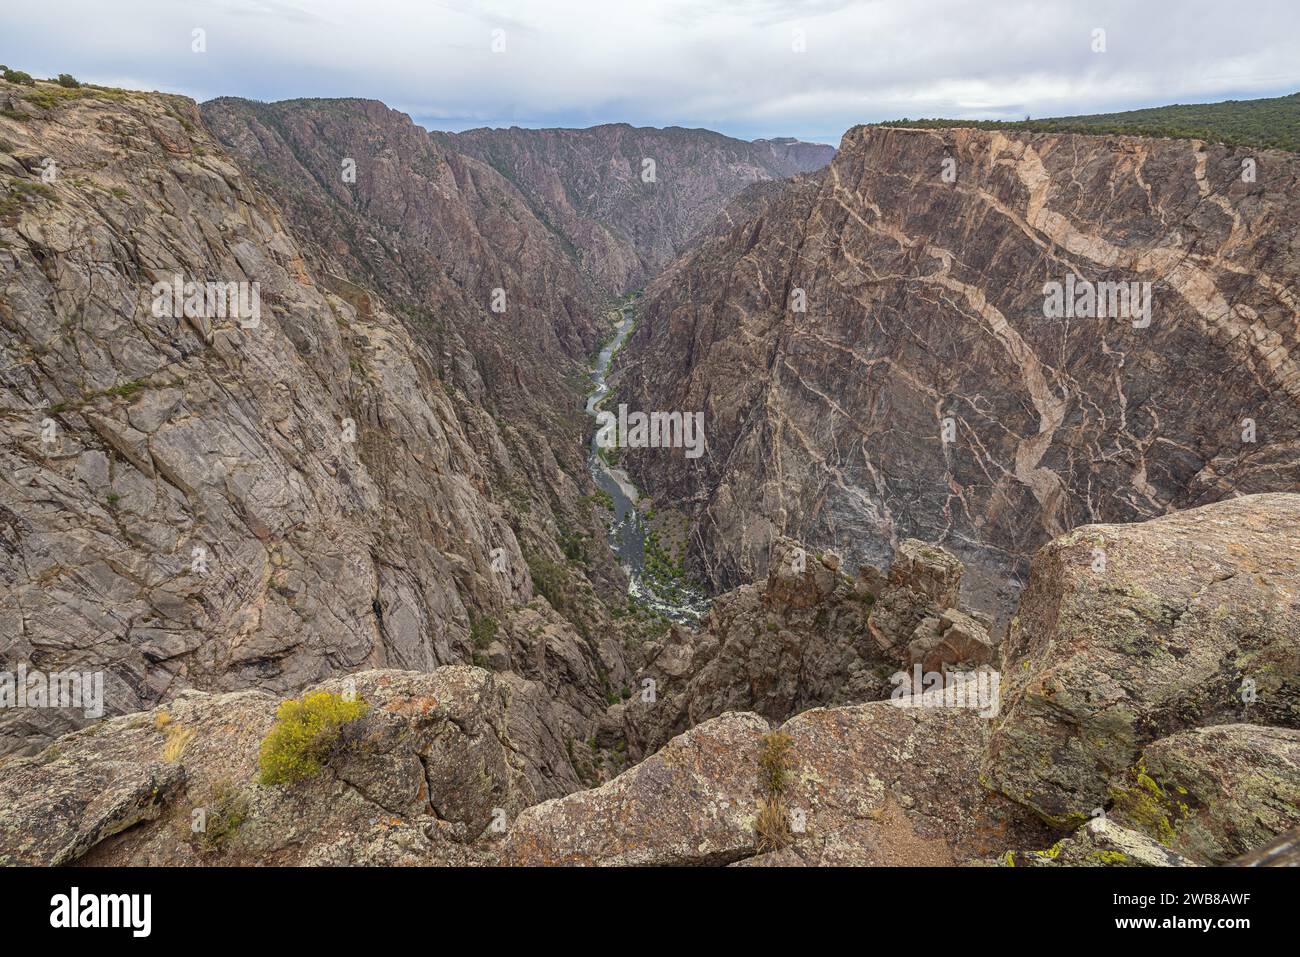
(176, 740)
(772, 825)
(1273, 123)
(305, 731)
(550, 578)
(226, 809)
(482, 632)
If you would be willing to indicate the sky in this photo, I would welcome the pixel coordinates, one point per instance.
(747, 68)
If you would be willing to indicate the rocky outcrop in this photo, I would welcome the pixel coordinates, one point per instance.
(869, 348)
(1131, 633)
(810, 635)
(896, 783)
(923, 581)
(437, 762)
(1214, 793)
(774, 648)
(954, 640)
(694, 802)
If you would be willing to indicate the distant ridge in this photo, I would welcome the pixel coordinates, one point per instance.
(1273, 123)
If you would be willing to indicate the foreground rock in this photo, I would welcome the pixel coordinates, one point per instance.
(882, 784)
(1130, 633)
(1282, 851)
(694, 802)
(430, 769)
(1099, 843)
(1214, 793)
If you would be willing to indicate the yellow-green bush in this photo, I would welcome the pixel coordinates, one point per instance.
(305, 730)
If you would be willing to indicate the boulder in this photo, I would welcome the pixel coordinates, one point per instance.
(886, 784)
(1130, 633)
(694, 802)
(953, 640)
(1214, 793)
(796, 578)
(1100, 843)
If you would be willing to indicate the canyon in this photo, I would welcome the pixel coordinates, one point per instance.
(384, 491)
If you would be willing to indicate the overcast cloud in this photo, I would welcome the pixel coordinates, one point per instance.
(728, 65)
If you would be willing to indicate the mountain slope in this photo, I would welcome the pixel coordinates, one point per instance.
(924, 393)
(190, 499)
(590, 185)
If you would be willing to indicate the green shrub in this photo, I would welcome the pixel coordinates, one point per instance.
(482, 631)
(305, 731)
(18, 76)
(550, 578)
(68, 80)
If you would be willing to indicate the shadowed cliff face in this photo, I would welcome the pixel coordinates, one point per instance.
(421, 219)
(924, 392)
(591, 186)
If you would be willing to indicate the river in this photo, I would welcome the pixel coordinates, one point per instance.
(627, 532)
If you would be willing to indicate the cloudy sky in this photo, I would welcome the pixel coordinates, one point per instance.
(807, 68)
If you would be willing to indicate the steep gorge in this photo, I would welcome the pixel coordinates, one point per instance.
(381, 482)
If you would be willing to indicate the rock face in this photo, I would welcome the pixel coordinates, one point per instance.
(203, 501)
(591, 186)
(1214, 793)
(923, 393)
(1131, 633)
(808, 636)
(420, 217)
(694, 802)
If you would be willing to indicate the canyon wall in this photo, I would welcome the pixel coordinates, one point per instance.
(629, 199)
(923, 392)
